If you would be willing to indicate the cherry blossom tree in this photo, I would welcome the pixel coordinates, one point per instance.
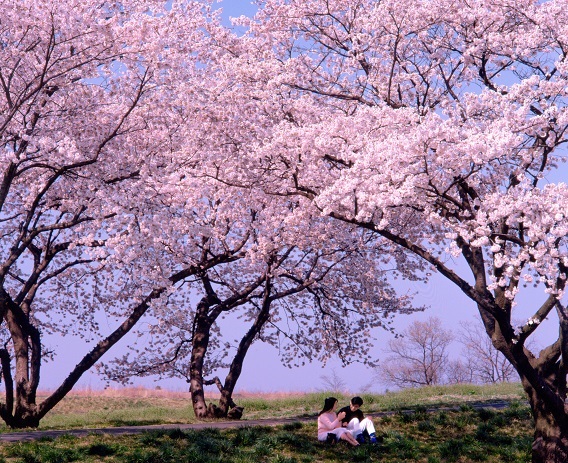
(438, 126)
(81, 91)
(298, 285)
(293, 277)
(112, 117)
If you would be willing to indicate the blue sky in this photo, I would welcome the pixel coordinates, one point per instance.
(234, 8)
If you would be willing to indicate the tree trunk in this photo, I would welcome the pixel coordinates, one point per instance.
(550, 443)
(200, 342)
(20, 409)
(226, 401)
(546, 394)
(27, 355)
(227, 407)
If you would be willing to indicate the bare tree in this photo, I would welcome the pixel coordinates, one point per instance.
(460, 372)
(333, 382)
(419, 357)
(483, 360)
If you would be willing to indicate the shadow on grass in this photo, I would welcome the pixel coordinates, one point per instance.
(119, 423)
(465, 435)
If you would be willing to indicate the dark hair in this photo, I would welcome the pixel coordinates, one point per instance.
(328, 405)
(357, 401)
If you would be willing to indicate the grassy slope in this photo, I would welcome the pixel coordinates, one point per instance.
(132, 407)
(462, 436)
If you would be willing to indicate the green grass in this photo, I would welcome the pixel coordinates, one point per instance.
(100, 410)
(119, 413)
(462, 436)
(432, 396)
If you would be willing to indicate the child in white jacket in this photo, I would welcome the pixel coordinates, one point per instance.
(355, 422)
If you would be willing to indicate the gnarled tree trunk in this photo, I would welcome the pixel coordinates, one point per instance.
(200, 342)
(226, 404)
(550, 443)
(543, 378)
(20, 409)
(203, 322)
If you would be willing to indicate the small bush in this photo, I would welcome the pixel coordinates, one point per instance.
(248, 435)
(452, 449)
(101, 450)
(426, 426)
(292, 426)
(485, 414)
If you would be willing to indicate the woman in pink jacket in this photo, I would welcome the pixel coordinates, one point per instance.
(330, 423)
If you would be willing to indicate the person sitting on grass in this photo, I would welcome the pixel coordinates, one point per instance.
(329, 424)
(354, 421)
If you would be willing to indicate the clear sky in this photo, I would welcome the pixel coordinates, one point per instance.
(237, 8)
(262, 369)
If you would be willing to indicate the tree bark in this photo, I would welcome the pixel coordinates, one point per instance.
(20, 409)
(543, 380)
(200, 342)
(203, 322)
(226, 401)
(6, 408)
(550, 444)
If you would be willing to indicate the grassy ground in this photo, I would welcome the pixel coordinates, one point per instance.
(466, 435)
(140, 407)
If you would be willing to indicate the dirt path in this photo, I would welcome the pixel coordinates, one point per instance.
(34, 435)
